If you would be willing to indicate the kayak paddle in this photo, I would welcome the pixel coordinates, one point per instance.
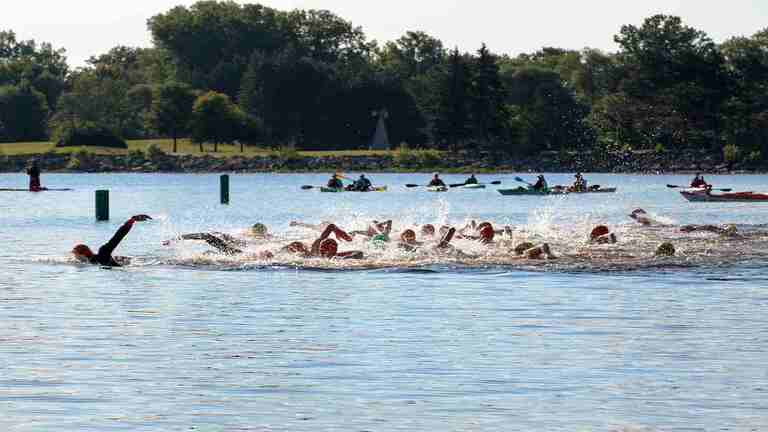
(523, 181)
(685, 187)
(497, 182)
(306, 187)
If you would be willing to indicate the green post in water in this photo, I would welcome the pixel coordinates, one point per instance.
(225, 189)
(102, 205)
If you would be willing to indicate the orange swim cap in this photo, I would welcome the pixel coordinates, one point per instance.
(599, 231)
(83, 250)
(487, 233)
(328, 248)
(408, 236)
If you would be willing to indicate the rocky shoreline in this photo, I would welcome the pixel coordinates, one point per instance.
(158, 162)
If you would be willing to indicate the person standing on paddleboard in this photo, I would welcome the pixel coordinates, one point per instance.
(84, 254)
(33, 171)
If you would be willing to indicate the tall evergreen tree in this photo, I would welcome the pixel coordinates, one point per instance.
(451, 109)
(487, 101)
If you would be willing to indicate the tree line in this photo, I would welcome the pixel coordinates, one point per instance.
(226, 73)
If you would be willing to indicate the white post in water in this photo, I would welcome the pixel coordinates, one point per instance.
(380, 139)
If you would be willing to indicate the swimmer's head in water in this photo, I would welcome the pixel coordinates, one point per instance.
(328, 248)
(598, 232)
(297, 248)
(638, 212)
(665, 249)
(259, 230)
(82, 252)
(486, 233)
(408, 236)
(522, 247)
(428, 230)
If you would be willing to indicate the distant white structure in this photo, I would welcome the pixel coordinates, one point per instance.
(380, 139)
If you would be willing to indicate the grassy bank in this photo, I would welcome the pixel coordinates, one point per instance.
(185, 147)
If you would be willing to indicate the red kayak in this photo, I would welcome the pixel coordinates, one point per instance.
(704, 195)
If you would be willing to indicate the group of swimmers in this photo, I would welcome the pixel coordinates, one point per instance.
(380, 235)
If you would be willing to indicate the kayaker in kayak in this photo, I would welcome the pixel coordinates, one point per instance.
(362, 184)
(104, 257)
(698, 182)
(541, 184)
(436, 181)
(33, 171)
(335, 182)
(472, 180)
(580, 184)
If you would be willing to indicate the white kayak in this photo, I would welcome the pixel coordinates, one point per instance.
(474, 186)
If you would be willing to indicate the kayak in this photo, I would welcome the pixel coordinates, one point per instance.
(437, 189)
(474, 186)
(335, 190)
(523, 191)
(554, 191)
(566, 191)
(702, 195)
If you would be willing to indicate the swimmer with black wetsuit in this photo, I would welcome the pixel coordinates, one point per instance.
(104, 257)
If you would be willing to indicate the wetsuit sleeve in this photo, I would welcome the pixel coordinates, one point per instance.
(220, 245)
(112, 244)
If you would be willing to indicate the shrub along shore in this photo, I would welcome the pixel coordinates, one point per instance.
(152, 158)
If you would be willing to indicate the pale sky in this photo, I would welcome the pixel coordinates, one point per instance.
(92, 27)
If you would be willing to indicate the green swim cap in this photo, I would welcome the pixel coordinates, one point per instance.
(379, 240)
(259, 229)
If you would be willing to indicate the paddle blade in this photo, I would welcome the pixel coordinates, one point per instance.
(672, 186)
(305, 187)
(520, 180)
(497, 182)
(412, 185)
(725, 190)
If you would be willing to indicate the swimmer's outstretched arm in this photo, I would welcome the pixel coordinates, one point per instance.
(110, 246)
(330, 229)
(219, 243)
(446, 240)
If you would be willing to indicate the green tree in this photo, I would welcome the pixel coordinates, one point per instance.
(487, 101)
(23, 114)
(676, 69)
(172, 109)
(452, 125)
(215, 119)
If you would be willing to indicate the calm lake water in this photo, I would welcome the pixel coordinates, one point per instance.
(169, 345)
